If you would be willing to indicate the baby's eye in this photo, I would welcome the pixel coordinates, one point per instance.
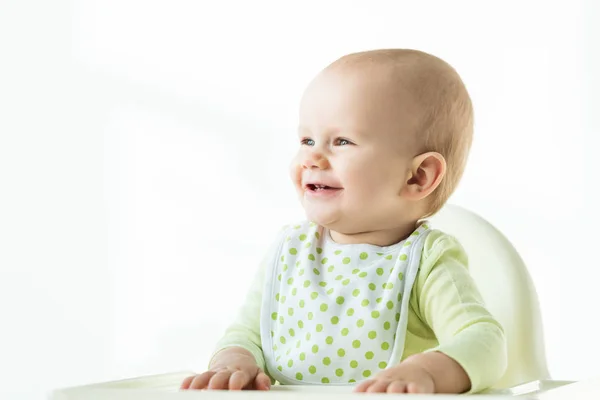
(307, 142)
(342, 142)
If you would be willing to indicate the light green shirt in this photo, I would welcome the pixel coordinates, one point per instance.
(446, 313)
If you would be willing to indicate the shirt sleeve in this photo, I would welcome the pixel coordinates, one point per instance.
(448, 301)
(244, 332)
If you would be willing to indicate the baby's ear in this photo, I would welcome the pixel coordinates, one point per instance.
(426, 173)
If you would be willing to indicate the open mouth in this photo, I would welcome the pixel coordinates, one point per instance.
(318, 188)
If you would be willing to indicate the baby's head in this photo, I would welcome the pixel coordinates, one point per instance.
(384, 137)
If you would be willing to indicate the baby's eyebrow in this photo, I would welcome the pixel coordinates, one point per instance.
(303, 130)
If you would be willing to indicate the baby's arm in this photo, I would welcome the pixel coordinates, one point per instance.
(471, 355)
(450, 303)
(238, 361)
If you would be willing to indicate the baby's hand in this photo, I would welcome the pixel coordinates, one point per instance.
(404, 378)
(232, 369)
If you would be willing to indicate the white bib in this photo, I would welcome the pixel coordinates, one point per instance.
(334, 313)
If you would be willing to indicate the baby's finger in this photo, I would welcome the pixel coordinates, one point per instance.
(378, 386)
(262, 382)
(363, 386)
(186, 382)
(418, 388)
(201, 381)
(220, 380)
(239, 380)
(397, 387)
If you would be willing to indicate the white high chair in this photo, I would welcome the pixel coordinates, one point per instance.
(507, 290)
(509, 294)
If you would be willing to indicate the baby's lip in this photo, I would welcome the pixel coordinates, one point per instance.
(316, 187)
(313, 185)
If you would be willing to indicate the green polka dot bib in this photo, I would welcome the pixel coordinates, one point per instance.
(333, 313)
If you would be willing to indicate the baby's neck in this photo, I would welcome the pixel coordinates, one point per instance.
(386, 237)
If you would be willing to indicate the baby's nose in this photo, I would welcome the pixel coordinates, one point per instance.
(315, 160)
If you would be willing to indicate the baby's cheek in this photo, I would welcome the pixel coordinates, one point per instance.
(363, 178)
(295, 172)
(372, 192)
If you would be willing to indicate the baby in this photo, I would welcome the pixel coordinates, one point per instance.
(365, 292)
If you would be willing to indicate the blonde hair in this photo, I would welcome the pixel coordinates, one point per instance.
(446, 121)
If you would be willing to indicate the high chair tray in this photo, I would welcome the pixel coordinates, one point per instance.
(166, 387)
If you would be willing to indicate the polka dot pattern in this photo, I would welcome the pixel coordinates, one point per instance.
(333, 309)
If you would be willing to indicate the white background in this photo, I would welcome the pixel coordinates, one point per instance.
(143, 164)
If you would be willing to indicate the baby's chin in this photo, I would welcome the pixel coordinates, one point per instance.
(326, 218)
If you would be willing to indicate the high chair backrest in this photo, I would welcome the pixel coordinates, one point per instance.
(507, 290)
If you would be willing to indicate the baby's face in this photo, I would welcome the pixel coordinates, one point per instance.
(356, 144)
